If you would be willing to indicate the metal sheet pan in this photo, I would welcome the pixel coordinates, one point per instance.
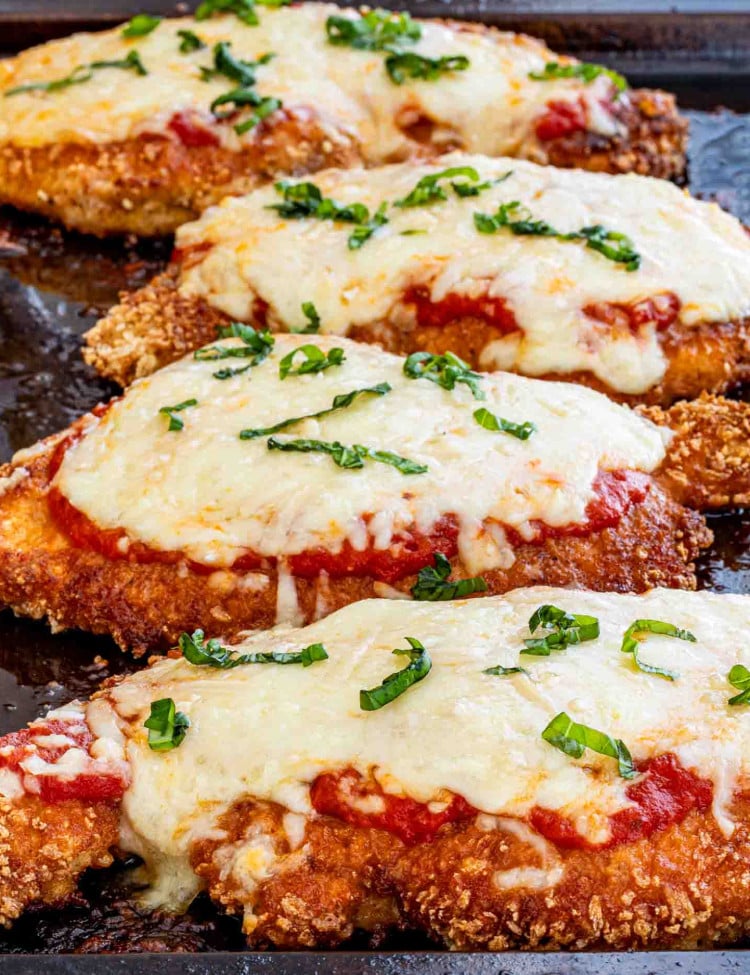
(53, 285)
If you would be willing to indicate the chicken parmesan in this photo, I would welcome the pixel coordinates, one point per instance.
(547, 272)
(140, 128)
(274, 479)
(552, 768)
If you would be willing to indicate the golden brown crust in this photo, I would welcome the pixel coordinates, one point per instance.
(708, 464)
(145, 606)
(152, 184)
(44, 848)
(155, 325)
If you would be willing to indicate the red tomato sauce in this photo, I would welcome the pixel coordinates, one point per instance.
(661, 309)
(494, 311)
(337, 794)
(664, 796)
(193, 130)
(561, 118)
(97, 783)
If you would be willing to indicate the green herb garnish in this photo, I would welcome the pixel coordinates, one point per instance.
(573, 739)
(443, 370)
(175, 422)
(376, 30)
(256, 346)
(140, 25)
(264, 108)
(316, 360)
(566, 629)
(394, 685)
(432, 583)
(81, 73)
(210, 653)
(189, 42)
(350, 458)
(498, 425)
(363, 233)
(631, 643)
(428, 189)
(313, 320)
(584, 70)
(167, 727)
(517, 218)
(408, 65)
(244, 10)
(243, 72)
(303, 200)
(739, 677)
(340, 402)
(499, 671)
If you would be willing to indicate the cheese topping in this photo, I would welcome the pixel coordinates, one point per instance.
(205, 492)
(490, 107)
(545, 282)
(268, 731)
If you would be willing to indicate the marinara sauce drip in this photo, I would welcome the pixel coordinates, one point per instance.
(661, 309)
(95, 781)
(340, 793)
(192, 130)
(561, 118)
(665, 795)
(494, 311)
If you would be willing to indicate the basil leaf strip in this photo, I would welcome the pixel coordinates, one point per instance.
(81, 73)
(573, 739)
(567, 629)
(340, 402)
(256, 346)
(631, 644)
(396, 684)
(444, 370)
(432, 583)
(429, 191)
(303, 200)
(264, 108)
(406, 65)
(739, 677)
(583, 70)
(244, 10)
(211, 653)
(498, 425)
(167, 727)
(189, 42)
(375, 30)
(175, 422)
(315, 361)
(350, 458)
(500, 671)
(140, 25)
(518, 219)
(313, 320)
(362, 234)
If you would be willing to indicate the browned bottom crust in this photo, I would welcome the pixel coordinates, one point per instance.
(146, 606)
(156, 325)
(151, 184)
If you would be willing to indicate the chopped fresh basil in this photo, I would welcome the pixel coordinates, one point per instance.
(394, 685)
(573, 739)
(375, 30)
(411, 232)
(81, 73)
(432, 583)
(566, 629)
(340, 402)
(584, 70)
(428, 189)
(316, 360)
(167, 727)
(500, 671)
(264, 108)
(365, 230)
(313, 320)
(517, 218)
(244, 10)
(140, 25)
(256, 346)
(405, 65)
(350, 458)
(739, 677)
(229, 373)
(498, 425)
(175, 422)
(303, 200)
(631, 643)
(189, 42)
(443, 370)
(243, 72)
(210, 653)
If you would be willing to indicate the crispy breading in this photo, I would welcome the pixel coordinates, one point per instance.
(156, 325)
(147, 605)
(44, 848)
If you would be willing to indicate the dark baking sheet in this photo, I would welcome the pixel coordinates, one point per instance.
(53, 286)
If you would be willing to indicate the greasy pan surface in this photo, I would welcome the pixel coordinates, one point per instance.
(52, 287)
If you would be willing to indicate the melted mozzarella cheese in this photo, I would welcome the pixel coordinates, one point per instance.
(268, 731)
(545, 282)
(491, 107)
(205, 492)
